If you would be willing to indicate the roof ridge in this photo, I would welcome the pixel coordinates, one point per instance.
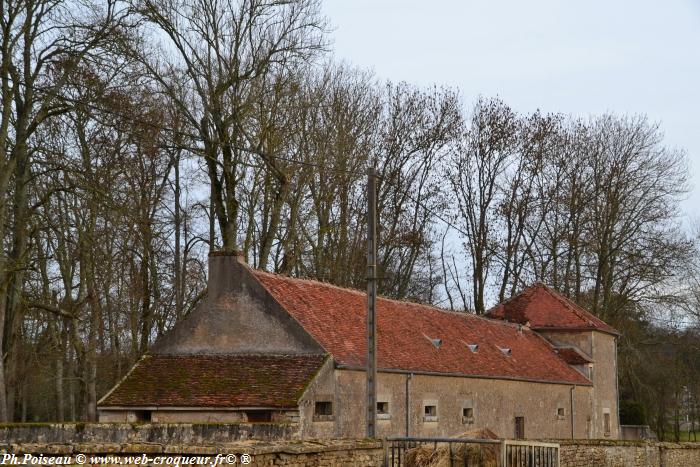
(513, 297)
(235, 354)
(576, 309)
(306, 279)
(464, 314)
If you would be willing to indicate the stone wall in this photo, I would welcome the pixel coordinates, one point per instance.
(604, 453)
(120, 433)
(270, 444)
(343, 453)
(494, 403)
(603, 398)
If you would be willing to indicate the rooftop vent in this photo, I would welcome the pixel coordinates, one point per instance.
(505, 351)
(473, 347)
(436, 342)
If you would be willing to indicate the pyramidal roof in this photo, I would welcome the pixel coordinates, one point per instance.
(545, 309)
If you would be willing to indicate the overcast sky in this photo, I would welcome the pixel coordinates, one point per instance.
(581, 58)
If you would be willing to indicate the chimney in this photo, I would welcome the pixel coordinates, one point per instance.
(224, 272)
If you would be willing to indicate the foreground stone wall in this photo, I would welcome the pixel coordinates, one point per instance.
(164, 433)
(603, 453)
(343, 453)
(270, 444)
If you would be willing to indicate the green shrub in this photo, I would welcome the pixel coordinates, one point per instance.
(632, 413)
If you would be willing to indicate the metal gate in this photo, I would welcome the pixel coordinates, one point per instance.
(520, 453)
(467, 452)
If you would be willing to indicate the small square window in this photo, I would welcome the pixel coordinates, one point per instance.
(324, 408)
(323, 411)
(467, 415)
(560, 413)
(430, 413)
(383, 411)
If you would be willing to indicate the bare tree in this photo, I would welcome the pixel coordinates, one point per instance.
(224, 49)
(475, 171)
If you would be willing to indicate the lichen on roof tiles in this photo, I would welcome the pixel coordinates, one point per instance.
(271, 381)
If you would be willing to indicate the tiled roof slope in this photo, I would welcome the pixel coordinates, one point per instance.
(546, 309)
(336, 317)
(215, 381)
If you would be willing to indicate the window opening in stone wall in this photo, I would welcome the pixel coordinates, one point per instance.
(519, 427)
(430, 413)
(323, 408)
(259, 416)
(467, 415)
(323, 411)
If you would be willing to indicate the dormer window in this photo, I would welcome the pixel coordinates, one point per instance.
(435, 341)
(505, 351)
(473, 347)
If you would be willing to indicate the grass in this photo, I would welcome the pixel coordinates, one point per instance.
(690, 436)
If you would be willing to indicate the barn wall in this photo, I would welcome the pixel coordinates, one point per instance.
(495, 405)
(602, 348)
(237, 316)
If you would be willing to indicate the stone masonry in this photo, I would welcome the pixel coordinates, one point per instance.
(279, 447)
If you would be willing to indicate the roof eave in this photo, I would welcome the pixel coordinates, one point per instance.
(611, 331)
(190, 408)
(464, 375)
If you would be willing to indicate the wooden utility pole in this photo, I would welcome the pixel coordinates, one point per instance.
(371, 303)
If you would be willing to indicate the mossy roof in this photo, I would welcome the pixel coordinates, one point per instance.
(225, 381)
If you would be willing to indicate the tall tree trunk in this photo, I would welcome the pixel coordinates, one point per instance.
(177, 221)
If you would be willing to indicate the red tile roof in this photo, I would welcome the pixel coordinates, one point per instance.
(215, 381)
(336, 317)
(572, 356)
(546, 309)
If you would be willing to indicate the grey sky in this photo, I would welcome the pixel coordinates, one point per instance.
(581, 58)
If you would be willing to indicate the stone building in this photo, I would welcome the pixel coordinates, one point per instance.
(269, 348)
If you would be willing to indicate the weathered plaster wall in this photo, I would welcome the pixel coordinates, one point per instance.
(194, 416)
(605, 383)
(237, 316)
(495, 405)
(322, 388)
(581, 339)
(209, 416)
(602, 348)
